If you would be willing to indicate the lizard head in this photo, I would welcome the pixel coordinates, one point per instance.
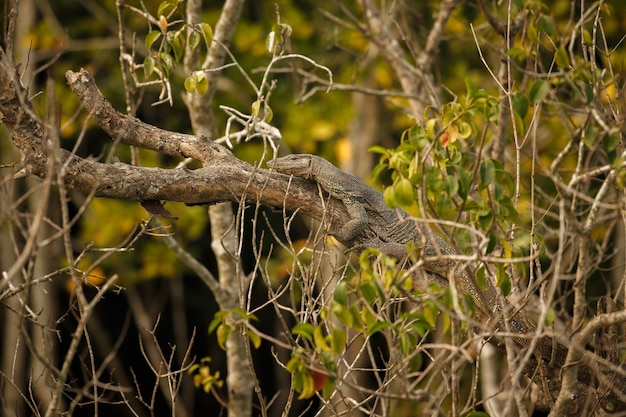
(295, 164)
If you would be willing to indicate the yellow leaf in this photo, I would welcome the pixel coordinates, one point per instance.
(163, 23)
(319, 339)
(449, 136)
(308, 386)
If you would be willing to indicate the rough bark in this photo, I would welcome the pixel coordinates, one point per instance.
(224, 236)
(223, 177)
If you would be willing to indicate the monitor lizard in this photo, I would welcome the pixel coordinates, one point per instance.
(372, 224)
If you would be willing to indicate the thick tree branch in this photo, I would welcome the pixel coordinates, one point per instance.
(222, 178)
(130, 130)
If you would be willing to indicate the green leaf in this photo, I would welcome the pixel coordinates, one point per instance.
(417, 137)
(303, 329)
(390, 197)
(202, 86)
(610, 141)
(269, 114)
(471, 205)
(355, 314)
(342, 314)
(416, 362)
(254, 338)
(539, 91)
(340, 295)
(451, 186)
(378, 149)
(470, 87)
(517, 53)
(167, 63)
(244, 314)
(434, 179)
(218, 318)
(487, 172)
(445, 323)
(338, 340)
(190, 84)
(329, 389)
(469, 304)
(369, 291)
(278, 38)
(465, 130)
(421, 327)
(549, 317)
(176, 43)
(520, 126)
(407, 342)
(151, 37)
(295, 363)
(378, 169)
(508, 210)
(493, 242)
(148, 66)
(502, 280)
(481, 278)
(271, 40)
(431, 129)
(533, 34)
(404, 192)
(561, 58)
(222, 333)
(546, 25)
(463, 180)
(256, 108)
(621, 178)
(380, 325)
(590, 136)
(485, 220)
(165, 8)
(444, 204)
(520, 104)
(194, 40)
(589, 93)
(319, 340)
(431, 312)
(207, 33)
(368, 318)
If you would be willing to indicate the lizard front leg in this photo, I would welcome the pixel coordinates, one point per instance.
(358, 220)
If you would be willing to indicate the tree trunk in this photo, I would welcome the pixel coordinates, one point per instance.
(224, 238)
